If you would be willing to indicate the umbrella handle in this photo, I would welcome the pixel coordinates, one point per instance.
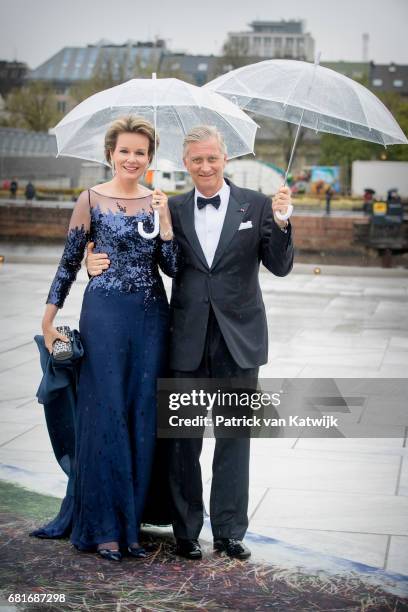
(286, 215)
(154, 233)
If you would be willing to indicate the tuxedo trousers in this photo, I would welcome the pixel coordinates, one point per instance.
(230, 467)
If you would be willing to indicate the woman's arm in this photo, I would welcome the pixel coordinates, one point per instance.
(77, 237)
(49, 331)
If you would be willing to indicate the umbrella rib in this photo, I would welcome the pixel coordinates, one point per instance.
(362, 107)
(231, 126)
(293, 89)
(180, 121)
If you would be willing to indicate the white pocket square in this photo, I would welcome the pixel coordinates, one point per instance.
(245, 225)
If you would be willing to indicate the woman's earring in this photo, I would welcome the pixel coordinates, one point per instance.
(113, 167)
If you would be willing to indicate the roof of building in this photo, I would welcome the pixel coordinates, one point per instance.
(292, 26)
(73, 64)
(200, 68)
(23, 143)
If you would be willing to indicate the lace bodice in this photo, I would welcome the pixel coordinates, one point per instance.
(111, 223)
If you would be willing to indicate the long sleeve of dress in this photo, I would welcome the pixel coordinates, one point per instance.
(77, 237)
(169, 257)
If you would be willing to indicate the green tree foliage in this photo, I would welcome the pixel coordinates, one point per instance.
(32, 107)
(334, 148)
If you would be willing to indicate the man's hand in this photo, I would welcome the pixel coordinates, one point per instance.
(280, 202)
(96, 263)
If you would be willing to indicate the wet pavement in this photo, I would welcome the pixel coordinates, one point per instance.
(346, 499)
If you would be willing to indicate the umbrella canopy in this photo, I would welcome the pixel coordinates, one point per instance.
(329, 101)
(173, 106)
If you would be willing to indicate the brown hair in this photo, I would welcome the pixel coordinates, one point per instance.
(130, 124)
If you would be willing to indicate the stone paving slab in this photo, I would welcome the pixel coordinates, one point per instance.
(341, 497)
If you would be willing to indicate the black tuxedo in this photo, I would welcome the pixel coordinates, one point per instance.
(231, 285)
(219, 330)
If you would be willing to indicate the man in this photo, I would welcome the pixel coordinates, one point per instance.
(13, 188)
(219, 327)
(329, 195)
(30, 192)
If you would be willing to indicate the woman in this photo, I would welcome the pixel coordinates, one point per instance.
(123, 327)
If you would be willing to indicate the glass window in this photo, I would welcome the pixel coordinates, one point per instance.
(202, 67)
(377, 82)
(398, 83)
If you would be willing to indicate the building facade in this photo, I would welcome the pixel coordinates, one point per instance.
(274, 39)
(12, 75)
(389, 78)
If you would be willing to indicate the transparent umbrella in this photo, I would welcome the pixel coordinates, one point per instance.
(312, 96)
(173, 106)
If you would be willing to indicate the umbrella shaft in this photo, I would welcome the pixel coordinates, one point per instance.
(294, 147)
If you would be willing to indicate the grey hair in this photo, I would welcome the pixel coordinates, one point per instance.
(201, 133)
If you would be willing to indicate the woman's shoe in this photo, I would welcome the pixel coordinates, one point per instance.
(111, 555)
(137, 551)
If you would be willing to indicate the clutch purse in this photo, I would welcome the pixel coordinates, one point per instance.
(63, 350)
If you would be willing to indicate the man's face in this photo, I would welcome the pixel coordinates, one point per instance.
(205, 163)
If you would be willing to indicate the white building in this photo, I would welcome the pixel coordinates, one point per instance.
(274, 39)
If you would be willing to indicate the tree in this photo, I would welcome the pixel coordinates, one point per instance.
(234, 55)
(32, 107)
(398, 106)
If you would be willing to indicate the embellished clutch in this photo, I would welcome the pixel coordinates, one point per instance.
(63, 350)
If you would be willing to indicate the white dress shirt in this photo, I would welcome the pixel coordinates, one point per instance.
(209, 220)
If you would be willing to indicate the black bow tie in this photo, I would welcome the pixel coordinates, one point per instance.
(215, 201)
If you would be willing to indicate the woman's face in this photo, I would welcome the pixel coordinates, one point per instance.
(131, 156)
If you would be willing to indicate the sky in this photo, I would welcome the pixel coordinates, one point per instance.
(33, 30)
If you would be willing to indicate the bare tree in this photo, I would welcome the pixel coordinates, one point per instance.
(32, 107)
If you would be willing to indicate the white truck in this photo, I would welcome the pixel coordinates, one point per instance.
(380, 176)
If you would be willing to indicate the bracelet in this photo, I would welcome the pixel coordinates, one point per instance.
(168, 235)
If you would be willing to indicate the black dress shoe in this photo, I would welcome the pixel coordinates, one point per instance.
(190, 549)
(233, 548)
(111, 555)
(137, 551)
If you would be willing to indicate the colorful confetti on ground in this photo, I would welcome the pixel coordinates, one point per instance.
(162, 582)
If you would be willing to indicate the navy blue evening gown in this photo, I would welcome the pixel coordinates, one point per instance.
(124, 332)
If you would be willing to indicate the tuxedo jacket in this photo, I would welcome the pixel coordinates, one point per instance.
(230, 286)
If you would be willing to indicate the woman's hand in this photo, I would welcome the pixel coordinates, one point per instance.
(160, 203)
(49, 331)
